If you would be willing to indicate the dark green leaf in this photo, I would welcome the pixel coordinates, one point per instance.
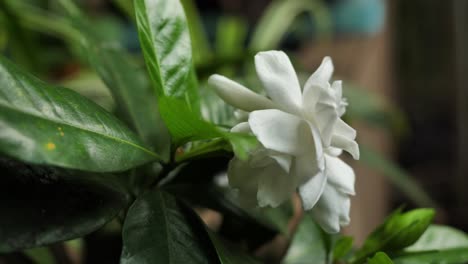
(342, 247)
(380, 258)
(438, 237)
(308, 244)
(43, 124)
(447, 256)
(200, 46)
(136, 101)
(397, 232)
(229, 254)
(158, 229)
(165, 41)
(43, 205)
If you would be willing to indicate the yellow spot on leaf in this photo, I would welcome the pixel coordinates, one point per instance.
(62, 134)
(50, 146)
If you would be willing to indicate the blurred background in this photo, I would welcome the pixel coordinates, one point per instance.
(403, 65)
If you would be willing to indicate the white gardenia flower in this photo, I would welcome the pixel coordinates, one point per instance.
(301, 134)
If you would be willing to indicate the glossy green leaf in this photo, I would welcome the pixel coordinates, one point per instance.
(438, 237)
(43, 205)
(447, 256)
(342, 247)
(43, 124)
(380, 258)
(308, 244)
(230, 254)
(158, 229)
(200, 47)
(165, 41)
(136, 100)
(399, 230)
(276, 21)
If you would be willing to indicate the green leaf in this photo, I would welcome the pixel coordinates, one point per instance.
(200, 46)
(308, 244)
(43, 124)
(230, 36)
(397, 232)
(229, 254)
(380, 258)
(136, 100)
(165, 41)
(40, 255)
(43, 205)
(438, 237)
(276, 21)
(397, 176)
(448, 256)
(159, 229)
(342, 247)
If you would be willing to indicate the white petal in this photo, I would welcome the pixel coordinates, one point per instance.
(280, 131)
(283, 160)
(321, 76)
(337, 87)
(335, 152)
(311, 191)
(279, 80)
(340, 175)
(345, 130)
(346, 144)
(306, 166)
(332, 210)
(243, 127)
(237, 95)
(326, 118)
(274, 186)
(242, 177)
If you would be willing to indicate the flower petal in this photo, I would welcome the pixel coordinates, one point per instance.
(337, 87)
(237, 95)
(345, 130)
(332, 210)
(322, 75)
(311, 191)
(279, 80)
(243, 127)
(340, 175)
(281, 132)
(283, 160)
(242, 177)
(274, 186)
(346, 144)
(326, 118)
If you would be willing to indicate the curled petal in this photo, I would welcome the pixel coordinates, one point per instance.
(243, 127)
(311, 191)
(283, 160)
(281, 132)
(321, 76)
(345, 130)
(340, 175)
(279, 80)
(346, 144)
(274, 186)
(337, 87)
(240, 176)
(237, 95)
(332, 209)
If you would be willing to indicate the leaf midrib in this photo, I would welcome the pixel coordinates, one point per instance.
(80, 128)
